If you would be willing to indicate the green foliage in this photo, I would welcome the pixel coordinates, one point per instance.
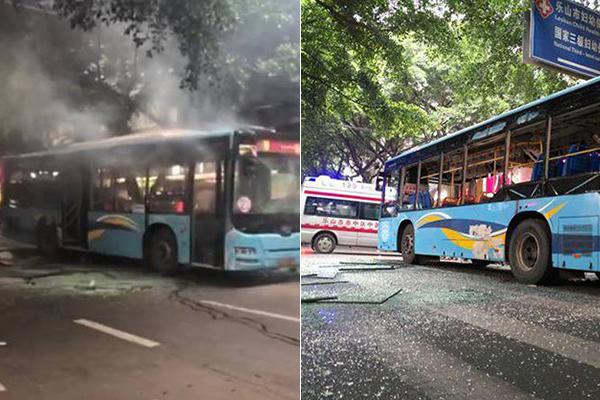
(198, 27)
(63, 84)
(405, 72)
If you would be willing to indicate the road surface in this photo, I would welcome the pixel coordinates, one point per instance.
(444, 332)
(105, 329)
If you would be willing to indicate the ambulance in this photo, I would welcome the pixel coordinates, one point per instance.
(339, 213)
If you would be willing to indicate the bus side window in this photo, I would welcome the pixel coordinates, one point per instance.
(129, 188)
(15, 189)
(168, 189)
(102, 199)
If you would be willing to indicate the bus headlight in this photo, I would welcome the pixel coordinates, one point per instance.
(245, 251)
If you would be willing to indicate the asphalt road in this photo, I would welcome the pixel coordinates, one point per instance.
(105, 329)
(444, 332)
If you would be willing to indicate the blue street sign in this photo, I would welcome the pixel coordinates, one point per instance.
(566, 35)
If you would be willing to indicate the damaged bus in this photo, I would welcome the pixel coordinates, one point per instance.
(226, 199)
(521, 188)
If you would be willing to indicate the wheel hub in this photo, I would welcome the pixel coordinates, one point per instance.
(324, 244)
(407, 244)
(529, 251)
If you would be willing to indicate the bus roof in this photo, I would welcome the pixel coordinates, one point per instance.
(569, 99)
(156, 136)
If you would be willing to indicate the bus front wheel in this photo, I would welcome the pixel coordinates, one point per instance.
(161, 251)
(324, 243)
(529, 253)
(407, 245)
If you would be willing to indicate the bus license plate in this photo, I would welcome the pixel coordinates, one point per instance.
(287, 263)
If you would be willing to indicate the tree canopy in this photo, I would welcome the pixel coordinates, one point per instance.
(379, 76)
(77, 67)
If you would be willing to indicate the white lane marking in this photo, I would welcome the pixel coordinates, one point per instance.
(117, 333)
(572, 347)
(250, 311)
(2, 388)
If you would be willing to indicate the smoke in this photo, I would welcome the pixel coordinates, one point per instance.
(61, 85)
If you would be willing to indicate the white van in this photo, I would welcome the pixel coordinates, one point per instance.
(337, 212)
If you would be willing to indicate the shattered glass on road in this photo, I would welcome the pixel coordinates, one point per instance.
(446, 332)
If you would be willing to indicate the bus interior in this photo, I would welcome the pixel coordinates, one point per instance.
(499, 163)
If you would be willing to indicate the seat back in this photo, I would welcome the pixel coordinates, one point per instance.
(538, 169)
(576, 164)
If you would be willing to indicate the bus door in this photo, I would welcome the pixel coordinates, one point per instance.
(209, 210)
(75, 192)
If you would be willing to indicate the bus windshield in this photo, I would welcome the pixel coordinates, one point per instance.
(266, 192)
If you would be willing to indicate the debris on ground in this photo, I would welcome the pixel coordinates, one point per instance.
(317, 299)
(327, 273)
(323, 283)
(367, 268)
(6, 259)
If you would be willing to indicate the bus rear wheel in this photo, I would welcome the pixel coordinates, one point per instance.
(161, 251)
(407, 245)
(529, 253)
(324, 243)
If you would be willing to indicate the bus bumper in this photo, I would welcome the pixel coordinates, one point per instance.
(247, 252)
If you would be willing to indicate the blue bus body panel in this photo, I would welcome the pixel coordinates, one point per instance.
(181, 226)
(479, 231)
(122, 234)
(116, 234)
(272, 251)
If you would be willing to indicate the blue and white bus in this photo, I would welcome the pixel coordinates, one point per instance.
(227, 199)
(522, 188)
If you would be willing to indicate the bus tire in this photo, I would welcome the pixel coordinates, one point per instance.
(160, 251)
(407, 245)
(48, 241)
(324, 243)
(529, 253)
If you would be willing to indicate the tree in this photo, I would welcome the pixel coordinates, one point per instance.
(401, 73)
(197, 26)
(64, 84)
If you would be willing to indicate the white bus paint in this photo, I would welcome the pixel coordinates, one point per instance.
(250, 311)
(117, 333)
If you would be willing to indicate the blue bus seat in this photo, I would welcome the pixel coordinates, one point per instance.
(538, 169)
(425, 200)
(576, 164)
(554, 169)
(595, 162)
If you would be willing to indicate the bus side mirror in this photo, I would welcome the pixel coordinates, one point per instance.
(379, 182)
